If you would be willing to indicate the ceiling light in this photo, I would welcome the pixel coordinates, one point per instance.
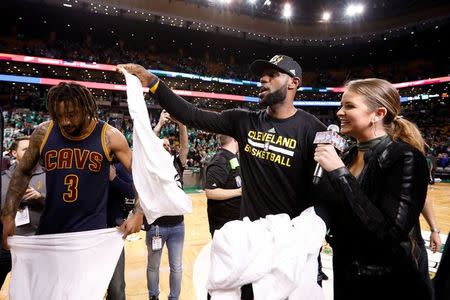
(354, 10)
(326, 16)
(287, 11)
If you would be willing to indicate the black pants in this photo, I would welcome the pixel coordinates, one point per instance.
(246, 292)
(116, 288)
(442, 279)
(5, 265)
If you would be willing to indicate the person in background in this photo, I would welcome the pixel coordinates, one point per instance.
(168, 230)
(32, 202)
(428, 214)
(441, 280)
(223, 184)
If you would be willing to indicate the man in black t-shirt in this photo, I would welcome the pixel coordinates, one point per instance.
(223, 184)
(275, 144)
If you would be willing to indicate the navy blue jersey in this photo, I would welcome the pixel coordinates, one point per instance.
(77, 177)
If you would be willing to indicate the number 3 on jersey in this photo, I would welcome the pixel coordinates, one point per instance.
(71, 181)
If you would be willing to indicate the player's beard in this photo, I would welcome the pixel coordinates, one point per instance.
(78, 130)
(273, 98)
(75, 130)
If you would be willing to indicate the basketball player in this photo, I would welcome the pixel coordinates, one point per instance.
(275, 144)
(75, 149)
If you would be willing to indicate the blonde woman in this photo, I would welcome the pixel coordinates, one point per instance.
(381, 185)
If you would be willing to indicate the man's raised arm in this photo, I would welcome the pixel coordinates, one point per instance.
(182, 110)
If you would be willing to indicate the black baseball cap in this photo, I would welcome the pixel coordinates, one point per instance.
(282, 63)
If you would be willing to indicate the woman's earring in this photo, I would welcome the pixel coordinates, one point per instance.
(374, 128)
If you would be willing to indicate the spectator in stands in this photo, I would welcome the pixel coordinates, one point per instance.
(443, 160)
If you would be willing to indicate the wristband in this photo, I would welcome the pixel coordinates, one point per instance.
(437, 230)
(153, 85)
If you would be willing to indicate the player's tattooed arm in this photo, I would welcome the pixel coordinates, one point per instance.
(22, 174)
(108, 134)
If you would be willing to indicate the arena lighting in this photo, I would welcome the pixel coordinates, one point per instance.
(354, 10)
(267, 3)
(104, 67)
(287, 11)
(67, 5)
(326, 16)
(119, 87)
(252, 2)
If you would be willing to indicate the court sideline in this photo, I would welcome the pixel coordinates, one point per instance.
(197, 236)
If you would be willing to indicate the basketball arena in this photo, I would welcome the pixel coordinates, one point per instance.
(232, 88)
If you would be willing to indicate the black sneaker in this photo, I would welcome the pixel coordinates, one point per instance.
(154, 298)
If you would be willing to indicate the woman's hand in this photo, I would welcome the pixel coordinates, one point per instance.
(327, 157)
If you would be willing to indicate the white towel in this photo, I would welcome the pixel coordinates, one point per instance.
(66, 266)
(277, 255)
(153, 170)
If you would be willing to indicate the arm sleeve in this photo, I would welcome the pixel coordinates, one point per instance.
(123, 183)
(404, 192)
(191, 116)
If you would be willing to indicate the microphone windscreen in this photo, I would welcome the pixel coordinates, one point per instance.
(333, 127)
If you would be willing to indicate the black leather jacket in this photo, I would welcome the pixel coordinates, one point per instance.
(375, 217)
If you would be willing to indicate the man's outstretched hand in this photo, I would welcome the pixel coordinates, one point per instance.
(139, 71)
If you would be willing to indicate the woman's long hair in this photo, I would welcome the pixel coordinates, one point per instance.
(382, 93)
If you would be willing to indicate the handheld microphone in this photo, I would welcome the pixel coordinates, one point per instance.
(332, 137)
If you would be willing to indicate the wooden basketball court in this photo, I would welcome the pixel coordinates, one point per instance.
(197, 236)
